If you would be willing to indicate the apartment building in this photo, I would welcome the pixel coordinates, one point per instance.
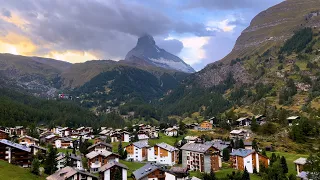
(96, 159)
(137, 151)
(100, 146)
(201, 157)
(163, 153)
(15, 153)
(108, 171)
(249, 159)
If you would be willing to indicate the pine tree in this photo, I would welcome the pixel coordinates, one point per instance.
(273, 158)
(226, 154)
(255, 145)
(245, 175)
(254, 125)
(241, 144)
(117, 174)
(232, 144)
(264, 152)
(125, 154)
(35, 166)
(120, 149)
(50, 164)
(284, 165)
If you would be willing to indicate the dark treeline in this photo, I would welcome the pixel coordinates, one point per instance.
(20, 109)
(298, 41)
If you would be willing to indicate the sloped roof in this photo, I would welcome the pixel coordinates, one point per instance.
(104, 153)
(167, 147)
(301, 161)
(29, 137)
(68, 172)
(196, 147)
(145, 170)
(242, 152)
(15, 145)
(141, 144)
(100, 143)
(110, 165)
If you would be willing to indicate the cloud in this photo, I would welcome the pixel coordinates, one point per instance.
(5, 12)
(109, 29)
(230, 4)
(173, 46)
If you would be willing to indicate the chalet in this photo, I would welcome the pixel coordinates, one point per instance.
(107, 171)
(220, 145)
(171, 131)
(100, 146)
(201, 157)
(299, 164)
(105, 132)
(61, 160)
(63, 143)
(163, 153)
(18, 130)
(4, 134)
(96, 159)
(68, 173)
(84, 130)
(76, 161)
(291, 119)
(15, 153)
(249, 159)
(115, 137)
(177, 173)
(149, 171)
(137, 151)
(43, 136)
(205, 125)
(28, 140)
(65, 132)
(123, 136)
(191, 139)
(239, 134)
(244, 121)
(142, 136)
(261, 119)
(99, 139)
(50, 139)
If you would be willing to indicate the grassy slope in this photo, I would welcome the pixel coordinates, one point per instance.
(9, 171)
(132, 167)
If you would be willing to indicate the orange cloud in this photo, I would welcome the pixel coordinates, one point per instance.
(71, 56)
(16, 44)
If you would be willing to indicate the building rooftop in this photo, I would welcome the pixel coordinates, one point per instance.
(237, 131)
(104, 153)
(141, 144)
(100, 143)
(145, 170)
(293, 117)
(301, 161)
(29, 137)
(167, 147)
(196, 147)
(68, 172)
(15, 145)
(50, 136)
(242, 152)
(241, 119)
(110, 165)
(303, 175)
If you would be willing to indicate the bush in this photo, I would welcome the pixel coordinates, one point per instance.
(268, 128)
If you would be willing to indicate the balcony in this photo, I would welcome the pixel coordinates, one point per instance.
(95, 165)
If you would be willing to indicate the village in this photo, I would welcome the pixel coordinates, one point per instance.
(141, 151)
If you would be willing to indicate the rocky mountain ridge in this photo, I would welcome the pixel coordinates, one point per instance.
(147, 50)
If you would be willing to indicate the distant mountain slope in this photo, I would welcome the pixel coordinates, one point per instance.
(38, 75)
(147, 50)
(268, 30)
(274, 64)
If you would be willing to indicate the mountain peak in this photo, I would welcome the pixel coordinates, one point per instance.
(146, 40)
(147, 50)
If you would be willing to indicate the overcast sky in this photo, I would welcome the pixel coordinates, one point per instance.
(198, 31)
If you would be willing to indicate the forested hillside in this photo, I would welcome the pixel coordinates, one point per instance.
(20, 109)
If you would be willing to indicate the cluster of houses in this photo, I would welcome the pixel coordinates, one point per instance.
(196, 153)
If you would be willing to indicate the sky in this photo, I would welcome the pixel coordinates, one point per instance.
(198, 31)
